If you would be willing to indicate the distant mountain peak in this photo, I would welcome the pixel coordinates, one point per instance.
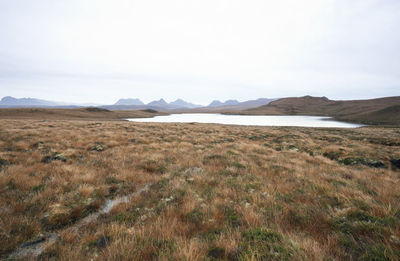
(183, 104)
(25, 102)
(161, 103)
(231, 102)
(129, 101)
(215, 103)
(8, 98)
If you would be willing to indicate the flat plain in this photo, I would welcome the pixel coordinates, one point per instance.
(204, 191)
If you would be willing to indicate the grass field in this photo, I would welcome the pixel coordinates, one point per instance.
(87, 114)
(213, 192)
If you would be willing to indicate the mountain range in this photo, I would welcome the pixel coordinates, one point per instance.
(11, 102)
(134, 104)
(14, 102)
(161, 104)
(231, 105)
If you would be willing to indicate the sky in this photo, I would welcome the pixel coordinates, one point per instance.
(99, 50)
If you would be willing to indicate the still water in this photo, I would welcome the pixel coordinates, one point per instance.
(251, 120)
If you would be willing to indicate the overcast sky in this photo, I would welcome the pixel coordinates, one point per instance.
(100, 50)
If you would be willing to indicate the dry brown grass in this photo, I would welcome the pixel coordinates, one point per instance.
(90, 113)
(379, 111)
(218, 192)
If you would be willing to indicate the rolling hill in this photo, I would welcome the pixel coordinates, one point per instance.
(90, 113)
(372, 111)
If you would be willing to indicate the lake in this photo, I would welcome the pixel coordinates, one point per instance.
(251, 120)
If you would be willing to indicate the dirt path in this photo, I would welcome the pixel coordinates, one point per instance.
(32, 249)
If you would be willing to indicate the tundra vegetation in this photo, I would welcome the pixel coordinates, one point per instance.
(215, 192)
